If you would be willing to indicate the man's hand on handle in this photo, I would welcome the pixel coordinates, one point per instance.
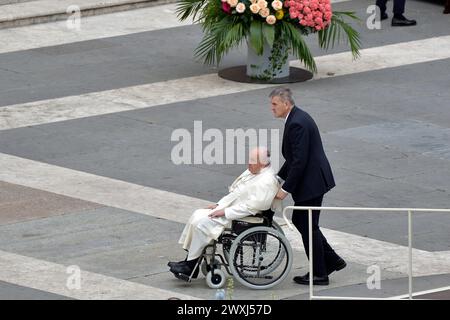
(281, 194)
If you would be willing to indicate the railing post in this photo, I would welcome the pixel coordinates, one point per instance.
(311, 265)
(410, 271)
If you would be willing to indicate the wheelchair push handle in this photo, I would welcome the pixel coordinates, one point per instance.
(289, 224)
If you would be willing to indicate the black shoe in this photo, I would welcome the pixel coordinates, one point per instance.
(384, 16)
(317, 281)
(339, 265)
(185, 269)
(402, 22)
(173, 263)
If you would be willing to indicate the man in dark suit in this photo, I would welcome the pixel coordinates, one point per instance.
(307, 177)
(399, 19)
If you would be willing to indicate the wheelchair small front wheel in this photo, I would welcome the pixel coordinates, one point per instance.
(216, 280)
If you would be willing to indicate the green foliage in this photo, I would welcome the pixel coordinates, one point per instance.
(278, 57)
(339, 30)
(269, 33)
(298, 45)
(256, 36)
(222, 36)
(186, 8)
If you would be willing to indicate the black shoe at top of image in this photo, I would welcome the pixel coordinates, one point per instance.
(384, 16)
(401, 21)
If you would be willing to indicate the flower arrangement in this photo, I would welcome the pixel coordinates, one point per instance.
(280, 24)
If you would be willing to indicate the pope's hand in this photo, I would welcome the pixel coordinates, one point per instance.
(217, 214)
(212, 206)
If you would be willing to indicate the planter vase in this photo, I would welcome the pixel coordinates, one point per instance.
(261, 66)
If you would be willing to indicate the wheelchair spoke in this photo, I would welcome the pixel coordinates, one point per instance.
(261, 258)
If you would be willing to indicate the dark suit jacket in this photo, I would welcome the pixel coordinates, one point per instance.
(306, 172)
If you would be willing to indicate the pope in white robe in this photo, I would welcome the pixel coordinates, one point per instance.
(251, 193)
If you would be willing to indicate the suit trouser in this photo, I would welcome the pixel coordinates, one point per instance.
(324, 257)
(399, 6)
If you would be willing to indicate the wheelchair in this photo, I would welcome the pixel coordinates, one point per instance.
(254, 250)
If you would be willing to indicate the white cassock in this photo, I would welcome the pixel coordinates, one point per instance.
(249, 194)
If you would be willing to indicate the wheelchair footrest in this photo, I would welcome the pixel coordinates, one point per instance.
(183, 277)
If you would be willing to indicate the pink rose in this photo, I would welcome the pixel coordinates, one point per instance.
(293, 13)
(226, 7)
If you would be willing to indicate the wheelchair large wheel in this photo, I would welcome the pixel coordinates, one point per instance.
(277, 227)
(226, 248)
(260, 258)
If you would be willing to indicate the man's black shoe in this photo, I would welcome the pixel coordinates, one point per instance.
(339, 265)
(402, 22)
(317, 281)
(384, 16)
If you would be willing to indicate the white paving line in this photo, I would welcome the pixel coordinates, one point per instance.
(112, 101)
(420, 293)
(53, 278)
(93, 188)
(93, 27)
(198, 87)
(175, 207)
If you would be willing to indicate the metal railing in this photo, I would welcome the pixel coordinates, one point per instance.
(410, 235)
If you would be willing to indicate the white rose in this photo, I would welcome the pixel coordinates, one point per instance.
(254, 8)
(240, 7)
(262, 4)
(277, 5)
(233, 3)
(271, 19)
(264, 12)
